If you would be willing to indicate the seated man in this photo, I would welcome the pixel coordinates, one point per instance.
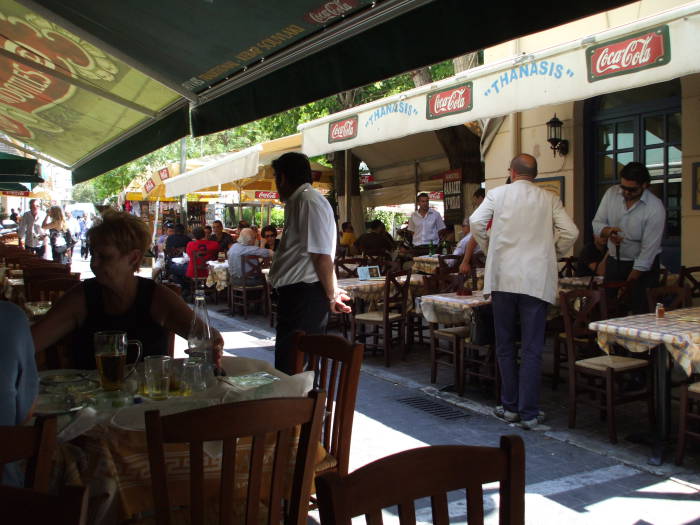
(466, 241)
(175, 247)
(373, 242)
(244, 246)
(219, 235)
(203, 250)
(347, 238)
(592, 259)
(19, 383)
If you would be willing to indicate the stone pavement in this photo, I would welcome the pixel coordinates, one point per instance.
(573, 476)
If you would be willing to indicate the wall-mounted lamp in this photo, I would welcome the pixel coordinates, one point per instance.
(554, 137)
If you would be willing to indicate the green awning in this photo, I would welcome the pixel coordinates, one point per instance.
(97, 84)
(14, 168)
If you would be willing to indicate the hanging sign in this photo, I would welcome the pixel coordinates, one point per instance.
(15, 193)
(366, 179)
(454, 199)
(267, 195)
(343, 129)
(164, 173)
(148, 187)
(436, 195)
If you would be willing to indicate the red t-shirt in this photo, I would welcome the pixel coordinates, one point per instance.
(206, 250)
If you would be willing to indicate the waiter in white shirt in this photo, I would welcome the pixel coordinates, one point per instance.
(31, 234)
(426, 225)
(302, 271)
(530, 231)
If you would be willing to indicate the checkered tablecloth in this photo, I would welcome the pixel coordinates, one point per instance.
(425, 263)
(372, 291)
(218, 274)
(678, 332)
(450, 308)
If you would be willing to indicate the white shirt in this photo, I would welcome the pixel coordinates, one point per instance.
(309, 228)
(462, 245)
(530, 231)
(425, 229)
(30, 231)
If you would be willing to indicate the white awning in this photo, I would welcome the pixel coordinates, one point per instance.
(239, 165)
(648, 51)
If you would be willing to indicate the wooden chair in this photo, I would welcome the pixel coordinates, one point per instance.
(449, 263)
(343, 269)
(601, 375)
(689, 411)
(242, 295)
(616, 297)
(68, 507)
(393, 314)
(227, 423)
(36, 444)
(690, 277)
(432, 472)
(477, 353)
(336, 363)
(49, 289)
(672, 297)
(568, 266)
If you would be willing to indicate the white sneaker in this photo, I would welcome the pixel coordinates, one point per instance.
(506, 415)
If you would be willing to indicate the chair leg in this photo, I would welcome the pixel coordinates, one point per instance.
(610, 404)
(387, 344)
(682, 425)
(433, 357)
(572, 399)
(353, 329)
(556, 348)
(459, 364)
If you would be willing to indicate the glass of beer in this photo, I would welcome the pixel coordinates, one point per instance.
(110, 356)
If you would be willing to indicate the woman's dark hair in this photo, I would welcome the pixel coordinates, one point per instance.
(635, 171)
(345, 226)
(269, 228)
(198, 233)
(295, 167)
(179, 229)
(480, 193)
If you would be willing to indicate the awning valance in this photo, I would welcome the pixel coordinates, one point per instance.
(651, 50)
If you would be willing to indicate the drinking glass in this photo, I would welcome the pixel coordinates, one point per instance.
(157, 372)
(192, 379)
(110, 356)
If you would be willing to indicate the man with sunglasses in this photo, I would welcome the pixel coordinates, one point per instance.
(631, 218)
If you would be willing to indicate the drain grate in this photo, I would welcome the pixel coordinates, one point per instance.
(431, 407)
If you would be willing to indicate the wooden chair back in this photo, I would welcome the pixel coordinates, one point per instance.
(579, 308)
(690, 277)
(672, 297)
(36, 444)
(616, 294)
(396, 293)
(336, 363)
(374, 259)
(568, 266)
(449, 263)
(68, 507)
(49, 289)
(428, 472)
(251, 267)
(227, 423)
(343, 269)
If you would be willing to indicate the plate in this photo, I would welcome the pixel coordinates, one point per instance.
(54, 404)
(55, 377)
(68, 381)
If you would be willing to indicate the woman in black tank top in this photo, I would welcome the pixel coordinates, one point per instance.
(116, 299)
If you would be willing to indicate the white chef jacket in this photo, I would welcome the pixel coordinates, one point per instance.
(530, 231)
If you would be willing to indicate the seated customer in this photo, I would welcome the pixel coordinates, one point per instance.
(592, 259)
(244, 246)
(347, 239)
(374, 242)
(204, 250)
(269, 238)
(116, 299)
(19, 383)
(219, 235)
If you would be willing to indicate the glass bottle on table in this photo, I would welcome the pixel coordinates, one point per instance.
(199, 339)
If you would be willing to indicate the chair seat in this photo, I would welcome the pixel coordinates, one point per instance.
(616, 362)
(459, 331)
(240, 287)
(562, 336)
(328, 462)
(695, 388)
(376, 317)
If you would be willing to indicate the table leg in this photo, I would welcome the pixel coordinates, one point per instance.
(662, 396)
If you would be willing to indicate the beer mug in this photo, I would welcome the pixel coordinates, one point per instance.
(110, 356)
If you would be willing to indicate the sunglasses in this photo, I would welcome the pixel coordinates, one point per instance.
(630, 189)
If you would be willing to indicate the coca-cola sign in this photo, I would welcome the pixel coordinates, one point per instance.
(327, 11)
(344, 129)
(15, 193)
(164, 173)
(436, 195)
(267, 195)
(148, 187)
(449, 101)
(651, 48)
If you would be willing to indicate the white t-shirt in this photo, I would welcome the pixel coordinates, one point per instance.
(309, 228)
(425, 229)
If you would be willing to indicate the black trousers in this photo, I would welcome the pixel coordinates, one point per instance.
(616, 271)
(300, 306)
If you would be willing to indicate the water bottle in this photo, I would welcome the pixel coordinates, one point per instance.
(431, 248)
(199, 337)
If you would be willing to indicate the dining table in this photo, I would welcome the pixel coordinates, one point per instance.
(372, 291)
(105, 448)
(675, 335)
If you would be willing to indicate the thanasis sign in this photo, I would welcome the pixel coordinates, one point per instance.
(344, 129)
(652, 48)
(449, 101)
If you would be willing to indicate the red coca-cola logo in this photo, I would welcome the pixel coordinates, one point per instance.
(436, 195)
(449, 101)
(15, 193)
(344, 129)
(330, 10)
(164, 173)
(268, 195)
(648, 49)
(366, 179)
(149, 185)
